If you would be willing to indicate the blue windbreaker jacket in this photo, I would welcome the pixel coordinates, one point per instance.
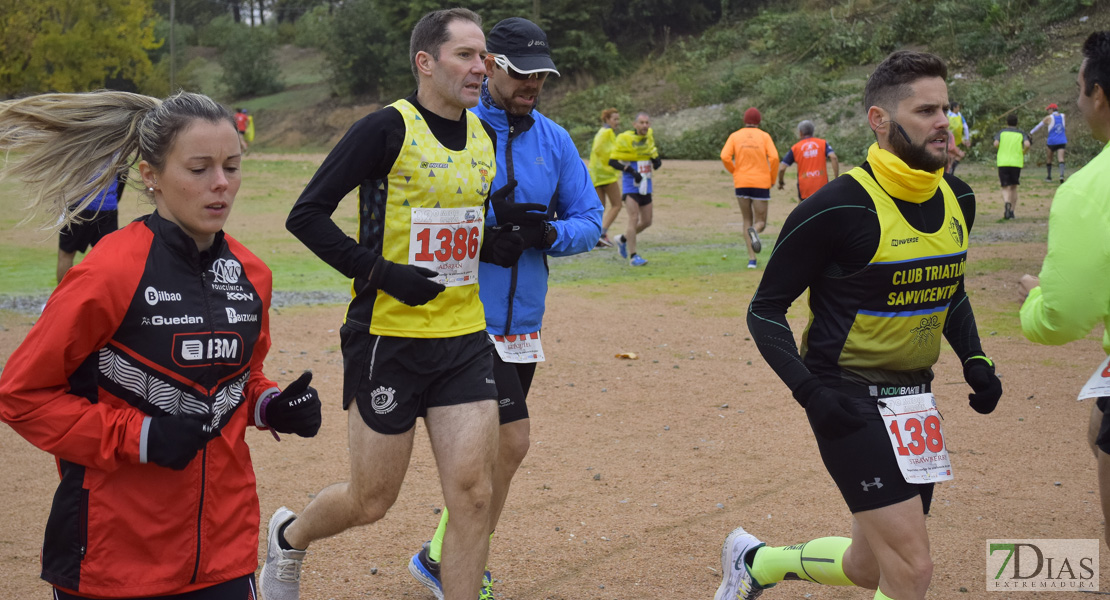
(542, 158)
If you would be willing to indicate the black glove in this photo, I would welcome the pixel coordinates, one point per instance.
(979, 374)
(534, 235)
(831, 413)
(410, 284)
(295, 410)
(501, 246)
(636, 177)
(511, 213)
(656, 163)
(172, 441)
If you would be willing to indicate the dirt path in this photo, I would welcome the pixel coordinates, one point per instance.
(639, 468)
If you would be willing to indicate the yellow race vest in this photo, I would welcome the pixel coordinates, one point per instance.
(909, 284)
(434, 211)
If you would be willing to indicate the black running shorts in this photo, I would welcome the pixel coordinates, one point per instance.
(755, 193)
(1008, 176)
(240, 588)
(513, 382)
(1055, 147)
(641, 199)
(79, 236)
(1103, 439)
(394, 380)
(863, 465)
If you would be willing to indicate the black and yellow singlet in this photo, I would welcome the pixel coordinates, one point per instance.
(885, 281)
(402, 158)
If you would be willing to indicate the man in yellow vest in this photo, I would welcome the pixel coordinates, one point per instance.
(882, 252)
(635, 154)
(1012, 144)
(413, 339)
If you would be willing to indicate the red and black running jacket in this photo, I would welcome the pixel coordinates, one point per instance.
(146, 325)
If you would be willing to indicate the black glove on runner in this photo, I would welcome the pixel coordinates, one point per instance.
(636, 177)
(172, 441)
(656, 163)
(831, 413)
(410, 284)
(511, 213)
(296, 409)
(979, 374)
(534, 235)
(501, 247)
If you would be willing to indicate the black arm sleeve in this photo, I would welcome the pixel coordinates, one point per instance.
(367, 151)
(959, 328)
(616, 164)
(824, 235)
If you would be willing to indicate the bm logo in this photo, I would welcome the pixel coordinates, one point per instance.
(203, 349)
(1042, 565)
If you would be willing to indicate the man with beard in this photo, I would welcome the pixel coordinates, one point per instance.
(882, 253)
(543, 160)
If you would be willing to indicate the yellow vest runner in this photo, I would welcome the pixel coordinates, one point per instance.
(910, 281)
(433, 218)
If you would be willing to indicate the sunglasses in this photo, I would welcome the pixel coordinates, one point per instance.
(503, 64)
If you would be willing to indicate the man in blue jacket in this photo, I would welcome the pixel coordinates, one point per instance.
(541, 158)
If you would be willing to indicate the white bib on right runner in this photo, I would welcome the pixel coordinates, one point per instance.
(913, 423)
(1099, 383)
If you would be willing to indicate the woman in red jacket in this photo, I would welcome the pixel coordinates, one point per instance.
(145, 368)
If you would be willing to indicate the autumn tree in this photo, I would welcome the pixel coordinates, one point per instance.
(72, 45)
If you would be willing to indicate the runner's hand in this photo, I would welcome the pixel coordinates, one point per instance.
(979, 374)
(656, 163)
(501, 246)
(533, 235)
(509, 212)
(831, 413)
(296, 409)
(636, 177)
(409, 284)
(172, 441)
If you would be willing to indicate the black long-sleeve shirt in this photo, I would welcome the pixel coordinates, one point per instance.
(834, 234)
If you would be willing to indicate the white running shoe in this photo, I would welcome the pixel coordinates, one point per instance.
(736, 581)
(281, 575)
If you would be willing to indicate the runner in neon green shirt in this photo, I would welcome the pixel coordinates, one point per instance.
(1012, 144)
(1072, 294)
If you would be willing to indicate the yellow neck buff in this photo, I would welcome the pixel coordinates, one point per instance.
(899, 180)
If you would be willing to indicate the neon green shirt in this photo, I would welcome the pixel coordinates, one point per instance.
(1074, 294)
(1011, 147)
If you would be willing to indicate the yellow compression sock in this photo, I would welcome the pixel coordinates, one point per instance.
(436, 547)
(879, 595)
(820, 561)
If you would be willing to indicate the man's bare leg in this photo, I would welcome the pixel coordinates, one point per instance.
(633, 209)
(513, 446)
(464, 440)
(746, 216)
(378, 466)
(65, 263)
(894, 540)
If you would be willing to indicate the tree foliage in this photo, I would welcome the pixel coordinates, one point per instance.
(249, 65)
(66, 46)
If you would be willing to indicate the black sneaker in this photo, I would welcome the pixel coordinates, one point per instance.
(426, 571)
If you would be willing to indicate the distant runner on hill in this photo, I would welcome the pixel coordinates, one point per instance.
(1057, 140)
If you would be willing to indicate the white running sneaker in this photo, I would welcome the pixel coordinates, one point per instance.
(281, 575)
(736, 581)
